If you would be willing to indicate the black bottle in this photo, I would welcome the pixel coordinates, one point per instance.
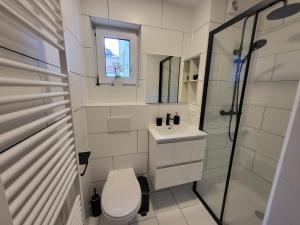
(176, 119)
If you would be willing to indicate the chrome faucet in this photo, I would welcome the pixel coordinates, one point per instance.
(168, 119)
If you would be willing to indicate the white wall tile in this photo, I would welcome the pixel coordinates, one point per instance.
(256, 184)
(76, 92)
(245, 157)
(218, 10)
(163, 109)
(139, 162)
(153, 113)
(176, 17)
(276, 120)
(264, 68)
(253, 116)
(161, 41)
(97, 8)
(281, 40)
(110, 94)
(263, 142)
(136, 11)
(97, 118)
(264, 167)
(100, 168)
(186, 48)
(80, 127)
(201, 14)
(286, 66)
(143, 141)
(273, 94)
(86, 31)
(74, 53)
(112, 144)
(200, 40)
(137, 113)
(90, 68)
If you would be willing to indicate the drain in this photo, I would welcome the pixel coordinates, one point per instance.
(259, 214)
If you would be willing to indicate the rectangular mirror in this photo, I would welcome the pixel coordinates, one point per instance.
(164, 79)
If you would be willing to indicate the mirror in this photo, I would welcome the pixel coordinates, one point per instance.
(164, 82)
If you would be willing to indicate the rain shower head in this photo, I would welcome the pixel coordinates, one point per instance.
(284, 11)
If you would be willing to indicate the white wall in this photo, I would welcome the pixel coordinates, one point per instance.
(166, 29)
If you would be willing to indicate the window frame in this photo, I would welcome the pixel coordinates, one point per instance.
(121, 34)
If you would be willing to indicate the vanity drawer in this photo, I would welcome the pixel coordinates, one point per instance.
(176, 175)
(180, 152)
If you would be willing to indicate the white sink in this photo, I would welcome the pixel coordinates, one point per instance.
(175, 133)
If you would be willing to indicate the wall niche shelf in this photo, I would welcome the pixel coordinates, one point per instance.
(188, 85)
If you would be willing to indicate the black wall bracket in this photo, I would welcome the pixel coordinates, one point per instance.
(84, 160)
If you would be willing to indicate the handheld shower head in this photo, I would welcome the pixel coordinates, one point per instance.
(284, 11)
(256, 45)
(259, 44)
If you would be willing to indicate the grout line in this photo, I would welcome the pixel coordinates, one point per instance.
(178, 206)
(274, 64)
(262, 119)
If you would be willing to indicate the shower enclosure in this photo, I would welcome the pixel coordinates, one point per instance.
(242, 152)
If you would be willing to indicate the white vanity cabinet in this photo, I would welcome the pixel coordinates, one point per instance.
(175, 161)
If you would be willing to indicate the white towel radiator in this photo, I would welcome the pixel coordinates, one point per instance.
(38, 163)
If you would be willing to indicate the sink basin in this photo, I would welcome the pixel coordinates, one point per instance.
(175, 133)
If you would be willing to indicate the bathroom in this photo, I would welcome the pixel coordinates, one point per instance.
(203, 106)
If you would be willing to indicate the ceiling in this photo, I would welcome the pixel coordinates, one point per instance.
(185, 2)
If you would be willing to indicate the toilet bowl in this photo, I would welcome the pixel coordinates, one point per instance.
(121, 196)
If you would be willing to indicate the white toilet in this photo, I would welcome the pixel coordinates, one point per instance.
(121, 196)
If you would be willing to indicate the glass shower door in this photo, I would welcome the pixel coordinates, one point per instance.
(227, 67)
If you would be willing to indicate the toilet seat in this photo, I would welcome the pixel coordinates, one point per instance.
(121, 196)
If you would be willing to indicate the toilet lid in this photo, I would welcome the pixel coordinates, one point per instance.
(121, 193)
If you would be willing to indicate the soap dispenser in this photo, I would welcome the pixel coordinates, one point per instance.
(176, 119)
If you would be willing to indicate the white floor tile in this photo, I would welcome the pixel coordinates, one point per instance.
(163, 201)
(171, 217)
(93, 221)
(150, 214)
(197, 214)
(184, 196)
(152, 221)
(104, 221)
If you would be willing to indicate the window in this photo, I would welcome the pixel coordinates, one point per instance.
(117, 54)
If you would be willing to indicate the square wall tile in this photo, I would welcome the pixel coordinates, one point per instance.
(113, 144)
(100, 168)
(139, 162)
(97, 118)
(137, 113)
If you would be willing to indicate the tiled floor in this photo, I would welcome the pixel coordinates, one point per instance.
(174, 206)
